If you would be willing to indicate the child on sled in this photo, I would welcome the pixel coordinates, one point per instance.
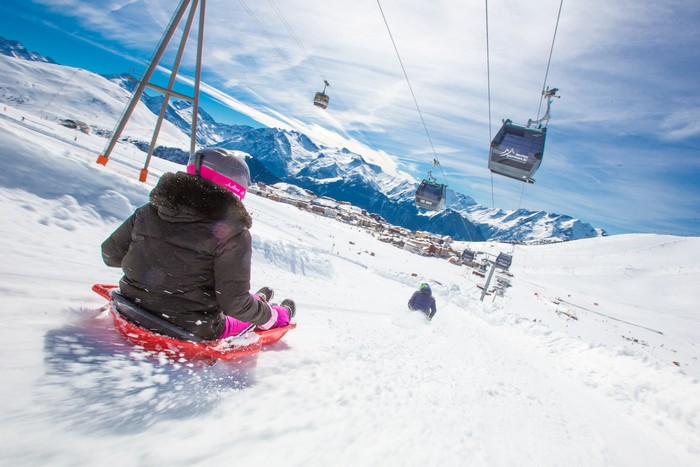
(186, 255)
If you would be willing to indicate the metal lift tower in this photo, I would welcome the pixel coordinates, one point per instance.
(167, 92)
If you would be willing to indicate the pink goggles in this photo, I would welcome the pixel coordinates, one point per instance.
(221, 180)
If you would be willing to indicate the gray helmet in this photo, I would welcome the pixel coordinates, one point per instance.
(222, 167)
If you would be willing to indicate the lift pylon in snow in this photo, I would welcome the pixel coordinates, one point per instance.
(167, 92)
(503, 261)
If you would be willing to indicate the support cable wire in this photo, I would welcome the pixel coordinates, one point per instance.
(549, 61)
(409, 84)
(367, 140)
(296, 38)
(544, 89)
(272, 41)
(488, 91)
(59, 91)
(436, 160)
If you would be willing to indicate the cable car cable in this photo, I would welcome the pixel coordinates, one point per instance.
(320, 99)
(430, 185)
(436, 160)
(313, 63)
(367, 140)
(516, 151)
(407, 80)
(549, 61)
(488, 90)
(272, 41)
(295, 37)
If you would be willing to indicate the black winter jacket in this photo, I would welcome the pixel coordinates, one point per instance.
(186, 256)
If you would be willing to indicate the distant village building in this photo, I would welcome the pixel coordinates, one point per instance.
(324, 210)
(420, 242)
(258, 189)
(76, 124)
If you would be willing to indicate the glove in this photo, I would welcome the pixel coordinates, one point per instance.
(271, 322)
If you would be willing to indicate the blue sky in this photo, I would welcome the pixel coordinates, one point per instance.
(623, 143)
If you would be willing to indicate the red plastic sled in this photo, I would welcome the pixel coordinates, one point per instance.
(224, 349)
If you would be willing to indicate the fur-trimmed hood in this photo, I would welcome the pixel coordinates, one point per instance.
(182, 197)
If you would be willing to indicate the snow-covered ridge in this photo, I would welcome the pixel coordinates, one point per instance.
(16, 49)
(279, 155)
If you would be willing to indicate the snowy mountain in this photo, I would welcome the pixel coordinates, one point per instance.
(285, 156)
(346, 176)
(16, 49)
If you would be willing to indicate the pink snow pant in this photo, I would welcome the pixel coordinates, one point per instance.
(233, 326)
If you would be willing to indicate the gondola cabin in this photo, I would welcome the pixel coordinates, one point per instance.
(468, 256)
(321, 99)
(431, 196)
(516, 151)
(504, 260)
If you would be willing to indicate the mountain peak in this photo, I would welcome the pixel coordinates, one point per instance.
(16, 49)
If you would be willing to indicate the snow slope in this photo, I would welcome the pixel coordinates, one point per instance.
(513, 380)
(48, 93)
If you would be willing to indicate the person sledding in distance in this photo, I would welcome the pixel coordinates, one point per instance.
(422, 300)
(186, 255)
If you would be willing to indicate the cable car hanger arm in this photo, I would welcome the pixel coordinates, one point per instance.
(550, 94)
